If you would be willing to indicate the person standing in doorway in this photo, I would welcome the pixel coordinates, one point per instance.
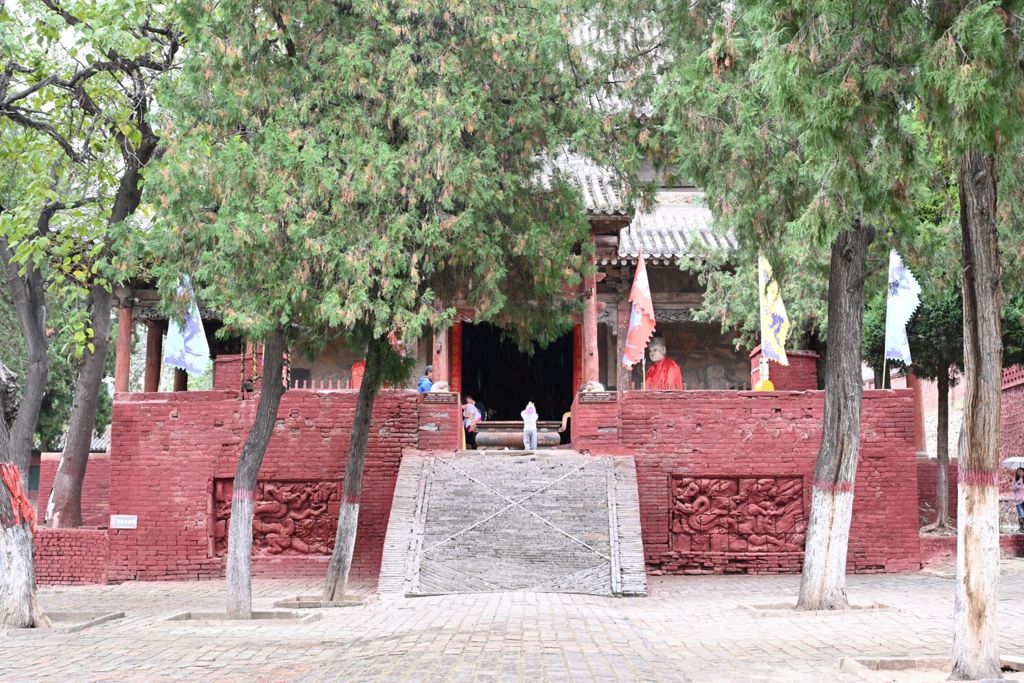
(529, 427)
(470, 417)
(424, 384)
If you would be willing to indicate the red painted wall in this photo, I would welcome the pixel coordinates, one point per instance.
(70, 556)
(95, 488)
(1012, 441)
(926, 474)
(759, 434)
(167, 449)
(801, 374)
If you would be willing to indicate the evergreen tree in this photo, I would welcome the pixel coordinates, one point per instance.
(356, 168)
(793, 118)
(971, 83)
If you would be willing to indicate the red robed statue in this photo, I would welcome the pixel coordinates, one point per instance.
(663, 373)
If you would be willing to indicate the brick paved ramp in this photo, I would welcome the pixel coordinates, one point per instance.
(475, 522)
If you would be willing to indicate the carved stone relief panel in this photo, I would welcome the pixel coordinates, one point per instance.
(737, 514)
(291, 517)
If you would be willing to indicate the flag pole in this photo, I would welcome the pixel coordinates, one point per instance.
(643, 373)
(885, 372)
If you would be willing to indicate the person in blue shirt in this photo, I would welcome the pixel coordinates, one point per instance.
(426, 381)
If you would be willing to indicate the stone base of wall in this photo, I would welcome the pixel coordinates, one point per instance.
(70, 557)
(942, 549)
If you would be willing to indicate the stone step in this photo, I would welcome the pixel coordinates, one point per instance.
(550, 521)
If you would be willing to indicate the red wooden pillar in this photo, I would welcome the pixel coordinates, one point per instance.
(456, 358)
(577, 357)
(590, 358)
(919, 437)
(440, 357)
(154, 355)
(623, 375)
(123, 352)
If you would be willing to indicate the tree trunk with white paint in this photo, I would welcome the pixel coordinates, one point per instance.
(975, 632)
(64, 508)
(18, 605)
(348, 516)
(243, 495)
(823, 582)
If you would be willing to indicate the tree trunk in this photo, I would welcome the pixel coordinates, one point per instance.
(823, 583)
(28, 293)
(243, 496)
(18, 605)
(348, 516)
(64, 509)
(975, 633)
(942, 451)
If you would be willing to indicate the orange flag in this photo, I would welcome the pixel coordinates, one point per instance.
(641, 319)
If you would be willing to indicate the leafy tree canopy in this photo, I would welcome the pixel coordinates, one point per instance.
(359, 167)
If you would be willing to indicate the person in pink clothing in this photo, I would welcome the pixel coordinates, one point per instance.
(1017, 495)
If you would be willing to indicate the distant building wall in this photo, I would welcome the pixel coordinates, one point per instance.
(95, 488)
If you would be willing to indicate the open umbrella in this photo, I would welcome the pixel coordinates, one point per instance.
(1014, 462)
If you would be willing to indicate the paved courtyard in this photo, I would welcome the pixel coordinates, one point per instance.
(691, 628)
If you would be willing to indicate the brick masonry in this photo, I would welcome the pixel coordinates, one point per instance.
(759, 436)
(69, 557)
(801, 374)
(95, 488)
(168, 448)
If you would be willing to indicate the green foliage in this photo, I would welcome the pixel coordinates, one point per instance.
(358, 168)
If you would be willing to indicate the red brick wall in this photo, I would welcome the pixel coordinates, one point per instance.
(926, 474)
(167, 448)
(1012, 441)
(70, 556)
(227, 369)
(95, 488)
(801, 374)
(760, 434)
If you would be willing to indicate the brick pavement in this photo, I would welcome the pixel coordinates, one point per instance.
(691, 628)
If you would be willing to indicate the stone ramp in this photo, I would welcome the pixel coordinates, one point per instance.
(555, 521)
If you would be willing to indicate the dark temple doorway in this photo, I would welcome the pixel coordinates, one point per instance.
(496, 373)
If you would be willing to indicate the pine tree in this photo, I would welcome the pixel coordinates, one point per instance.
(793, 118)
(355, 168)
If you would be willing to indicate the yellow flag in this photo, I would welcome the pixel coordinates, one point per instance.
(774, 321)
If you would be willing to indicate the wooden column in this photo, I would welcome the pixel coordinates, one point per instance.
(440, 356)
(920, 444)
(622, 375)
(123, 352)
(591, 365)
(180, 380)
(154, 355)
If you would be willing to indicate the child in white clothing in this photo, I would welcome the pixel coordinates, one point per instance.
(529, 427)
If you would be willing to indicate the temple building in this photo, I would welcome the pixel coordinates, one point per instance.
(475, 359)
(712, 478)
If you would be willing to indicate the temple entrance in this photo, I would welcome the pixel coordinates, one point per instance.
(503, 378)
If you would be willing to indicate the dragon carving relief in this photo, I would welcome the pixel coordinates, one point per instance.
(290, 517)
(737, 514)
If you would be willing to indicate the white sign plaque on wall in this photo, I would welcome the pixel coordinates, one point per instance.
(124, 521)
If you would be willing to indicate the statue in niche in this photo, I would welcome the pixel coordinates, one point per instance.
(663, 374)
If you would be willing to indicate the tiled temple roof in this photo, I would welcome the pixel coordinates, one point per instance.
(598, 185)
(679, 224)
